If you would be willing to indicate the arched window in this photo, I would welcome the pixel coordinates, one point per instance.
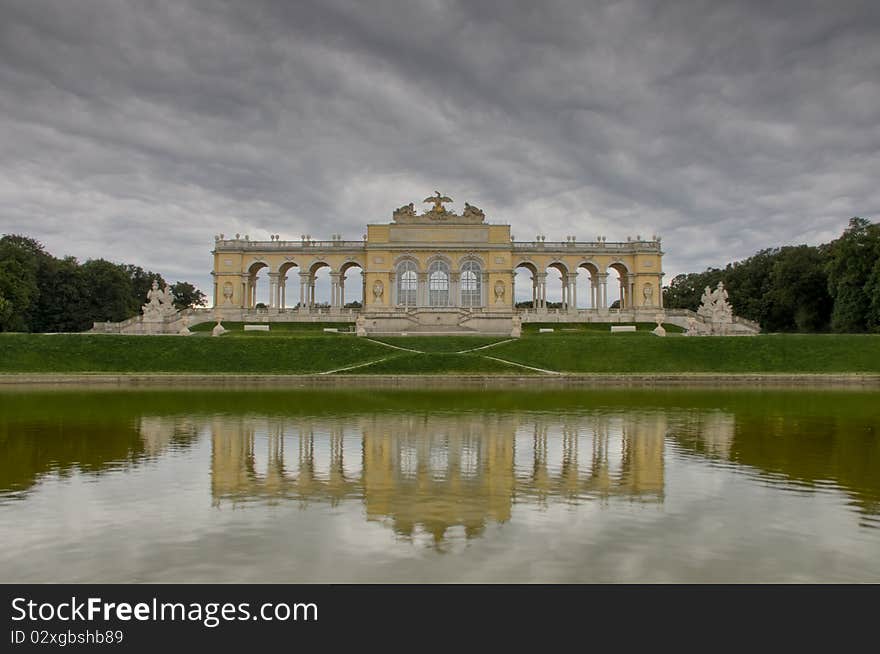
(471, 285)
(438, 284)
(407, 284)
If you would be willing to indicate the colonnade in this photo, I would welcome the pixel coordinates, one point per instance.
(307, 297)
(598, 289)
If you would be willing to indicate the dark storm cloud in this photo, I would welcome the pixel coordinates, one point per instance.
(138, 130)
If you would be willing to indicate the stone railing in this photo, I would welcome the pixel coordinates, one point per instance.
(586, 246)
(245, 244)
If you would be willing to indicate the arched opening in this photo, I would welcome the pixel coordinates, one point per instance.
(525, 286)
(256, 294)
(618, 287)
(471, 284)
(589, 290)
(407, 279)
(318, 290)
(438, 284)
(351, 285)
(285, 274)
(555, 284)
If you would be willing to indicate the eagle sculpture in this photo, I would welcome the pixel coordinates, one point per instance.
(438, 201)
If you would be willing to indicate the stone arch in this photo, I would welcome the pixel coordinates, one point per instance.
(318, 286)
(434, 258)
(360, 295)
(440, 285)
(470, 286)
(623, 289)
(532, 268)
(408, 257)
(283, 271)
(588, 289)
(252, 285)
(563, 283)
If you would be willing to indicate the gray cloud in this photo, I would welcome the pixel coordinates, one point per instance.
(136, 131)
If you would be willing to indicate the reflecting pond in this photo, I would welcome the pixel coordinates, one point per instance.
(390, 486)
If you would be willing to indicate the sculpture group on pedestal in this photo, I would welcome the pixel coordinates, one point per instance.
(160, 303)
(716, 312)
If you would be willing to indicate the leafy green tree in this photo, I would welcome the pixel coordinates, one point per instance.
(797, 298)
(62, 305)
(107, 291)
(187, 296)
(852, 260)
(20, 260)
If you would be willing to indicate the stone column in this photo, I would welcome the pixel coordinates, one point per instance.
(573, 292)
(273, 290)
(603, 286)
(487, 295)
(542, 290)
(341, 290)
(216, 294)
(334, 290)
(422, 290)
(534, 291)
(283, 281)
(632, 300)
(455, 289)
(303, 293)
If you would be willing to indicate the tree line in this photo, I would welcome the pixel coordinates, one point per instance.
(41, 293)
(830, 287)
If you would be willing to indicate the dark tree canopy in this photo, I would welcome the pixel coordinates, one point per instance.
(187, 296)
(835, 286)
(40, 293)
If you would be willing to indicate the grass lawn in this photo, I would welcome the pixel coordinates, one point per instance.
(439, 364)
(594, 327)
(111, 353)
(276, 328)
(302, 351)
(440, 343)
(781, 353)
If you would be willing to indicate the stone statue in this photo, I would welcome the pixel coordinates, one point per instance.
(218, 328)
(405, 210)
(470, 211)
(184, 330)
(153, 310)
(516, 327)
(659, 330)
(648, 293)
(715, 312)
(438, 201)
(378, 290)
(499, 291)
(360, 326)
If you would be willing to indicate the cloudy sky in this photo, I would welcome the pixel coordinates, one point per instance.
(136, 131)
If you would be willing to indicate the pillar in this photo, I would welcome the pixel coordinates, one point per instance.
(341, 290)
(603, 286)
(334, 290)
(573, 291)
(303, 285)
(422, 290)
(273, 290)
(454, 289)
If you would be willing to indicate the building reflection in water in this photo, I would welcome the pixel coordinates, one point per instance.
(434, 472)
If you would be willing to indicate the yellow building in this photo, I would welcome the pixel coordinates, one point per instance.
(437, 271)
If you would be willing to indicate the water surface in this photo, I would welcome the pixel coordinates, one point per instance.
(343, 486)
